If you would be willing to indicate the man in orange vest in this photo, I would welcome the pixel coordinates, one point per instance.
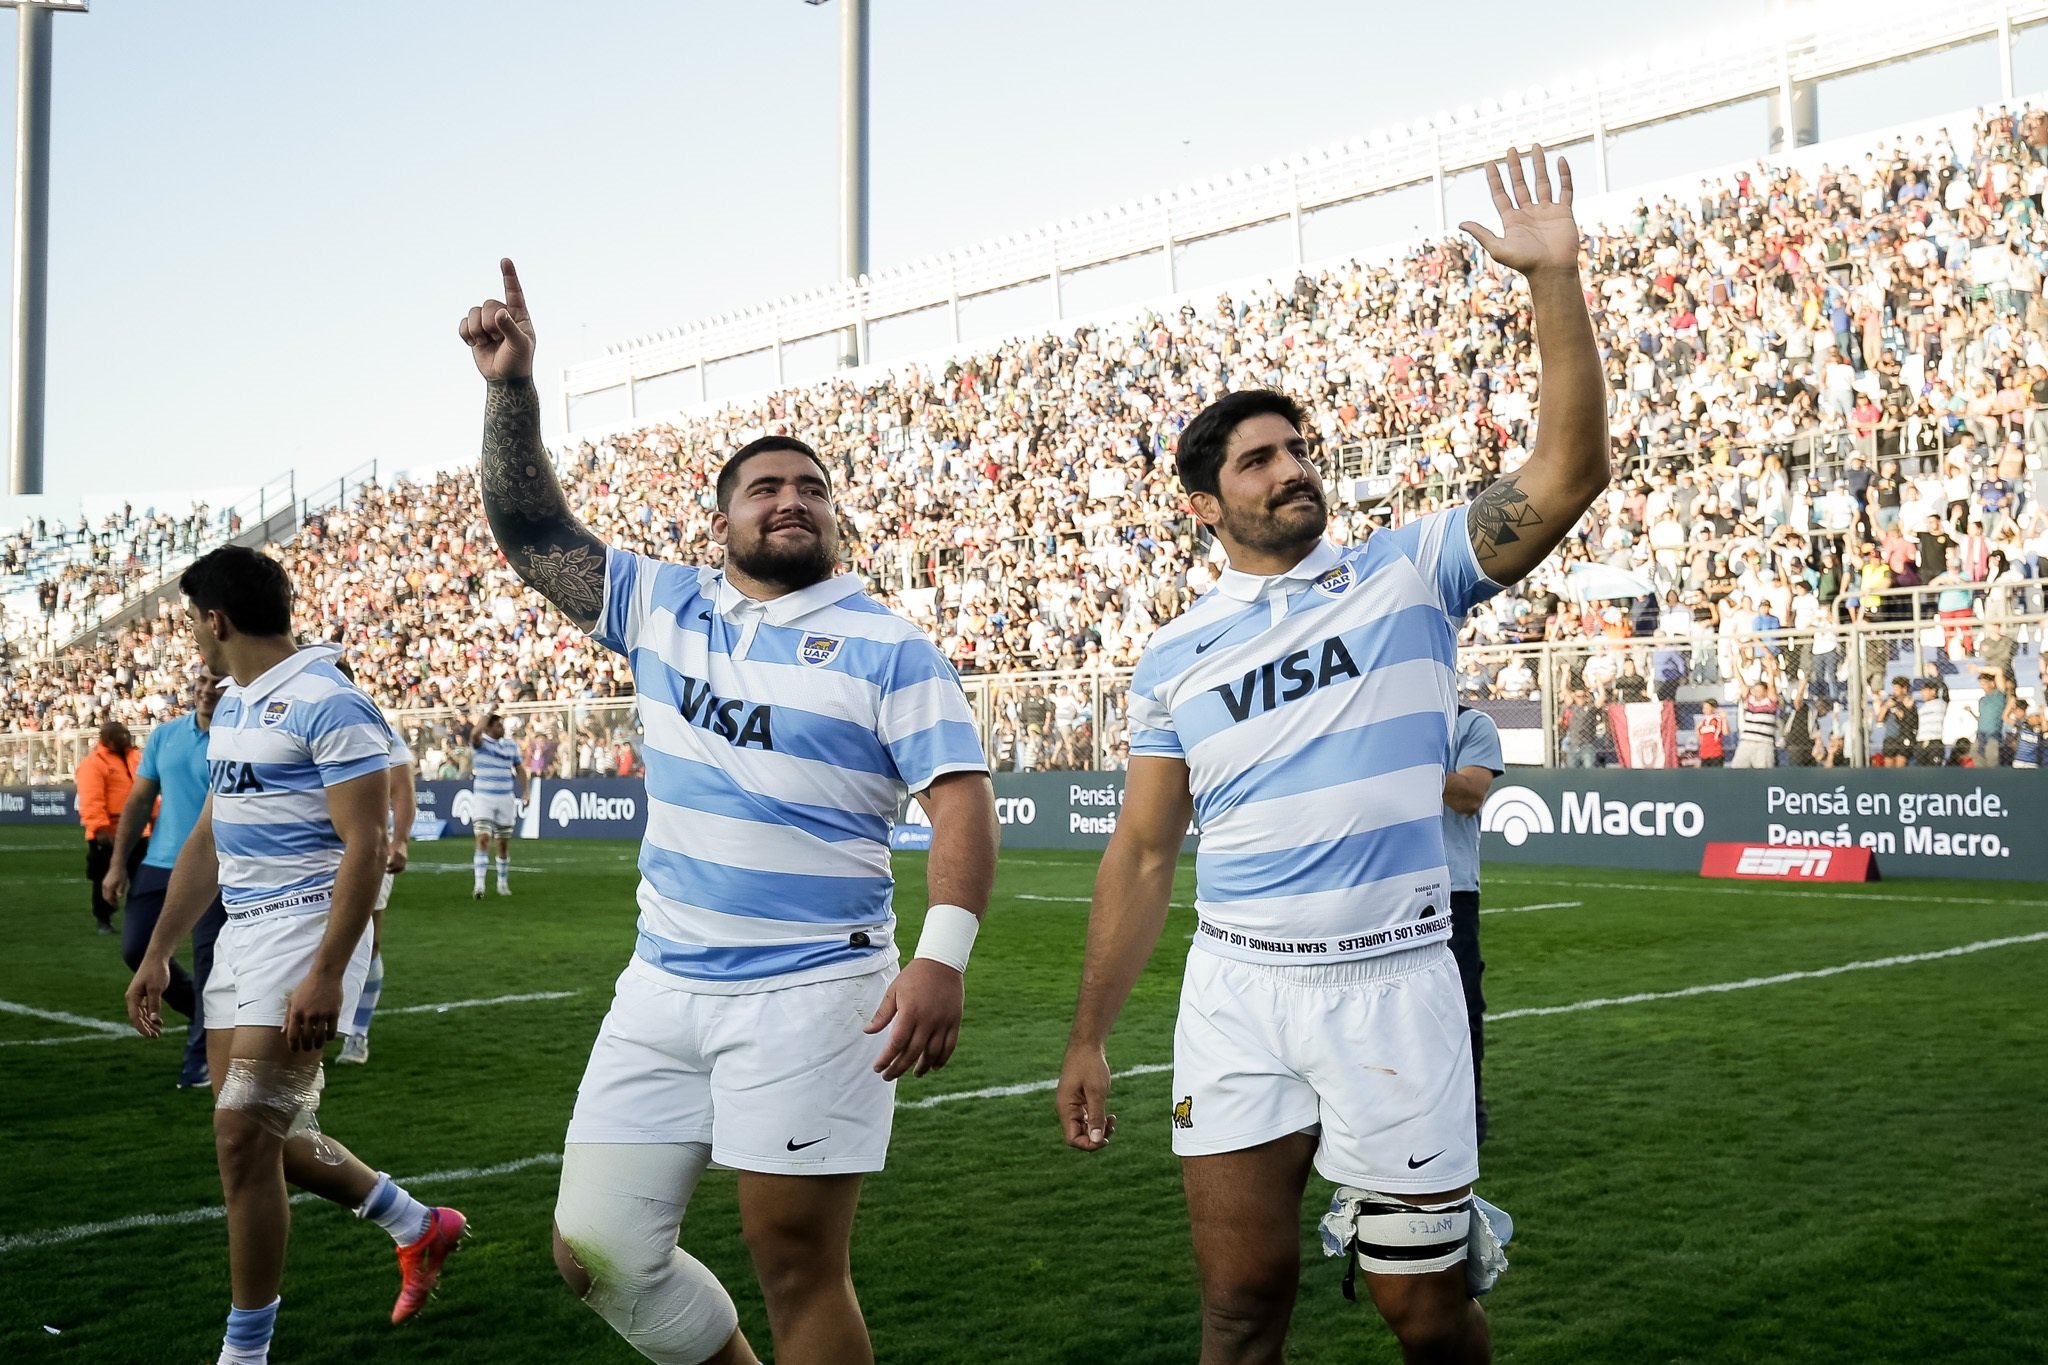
(103, 778)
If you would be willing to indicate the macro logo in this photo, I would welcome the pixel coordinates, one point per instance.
(1515, 813)
(1336, 582)
(567, 805)
(818, 650)
(462, 808)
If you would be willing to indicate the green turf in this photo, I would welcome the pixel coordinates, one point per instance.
(1834, 1169)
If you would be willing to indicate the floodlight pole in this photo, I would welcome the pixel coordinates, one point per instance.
(853, 158)
(853, 164)
(31, 239)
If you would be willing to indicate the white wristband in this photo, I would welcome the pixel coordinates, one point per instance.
(948, 935)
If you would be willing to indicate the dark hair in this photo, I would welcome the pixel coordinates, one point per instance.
(342, 667)
(729, 473)
(1198, 458)
(245, 585)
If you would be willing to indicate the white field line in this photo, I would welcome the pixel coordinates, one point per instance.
(60, 1017)
(1751, 983)
(80, 1231)
(422, 865)
(490, 1000)
(213, 1213)
(1772, 888)
(115, 1032)
(997, 1092)
(1073, 900)
(1521, 909)
(52, 1042)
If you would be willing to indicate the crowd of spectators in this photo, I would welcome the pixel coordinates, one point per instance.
(67, 576)
(1829, 390)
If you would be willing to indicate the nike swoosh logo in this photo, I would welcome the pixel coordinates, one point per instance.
(1203, 647)
(703, 616)
(1413, 1163)
(796, 1146)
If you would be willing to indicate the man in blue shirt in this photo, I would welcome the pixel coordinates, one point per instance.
(1475, 762)
(173, 766)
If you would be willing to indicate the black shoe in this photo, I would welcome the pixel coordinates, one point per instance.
(104, 928)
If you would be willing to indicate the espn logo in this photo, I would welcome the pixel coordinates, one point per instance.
(1784, 862)
(1789, 862)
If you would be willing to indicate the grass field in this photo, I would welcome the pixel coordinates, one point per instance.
(1818, 1166)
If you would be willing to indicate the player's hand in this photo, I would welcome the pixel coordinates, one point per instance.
(395, 862)
(114, 885)
(1537, 230)
(145, 997)
(312, 1013)
(926, 1000)
(499, 332)
(1083, 1098)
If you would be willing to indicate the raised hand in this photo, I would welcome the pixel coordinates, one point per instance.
(499, 332)
(1537, 230)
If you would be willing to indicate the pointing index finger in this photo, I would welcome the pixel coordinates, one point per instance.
(515, 297)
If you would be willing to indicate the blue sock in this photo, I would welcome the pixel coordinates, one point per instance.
(395, 1211)
(366, 1004)
(248, 1339)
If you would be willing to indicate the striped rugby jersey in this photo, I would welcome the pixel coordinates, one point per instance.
(1314, 711)
(780, 739)
(490, 770)
(274, 748)
(402, 756)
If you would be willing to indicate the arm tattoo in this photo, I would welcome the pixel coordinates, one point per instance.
(551, 550)
(1498, 517)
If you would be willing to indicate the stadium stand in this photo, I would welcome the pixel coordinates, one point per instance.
(1830, 409)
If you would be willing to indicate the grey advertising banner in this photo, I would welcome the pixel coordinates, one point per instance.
(1984, 824)
(1920, 822)
(1039, 810)
(39, 806)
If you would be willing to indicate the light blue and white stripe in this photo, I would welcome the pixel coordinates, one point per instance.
(1314, 711)
(274, 749)
(780, 738)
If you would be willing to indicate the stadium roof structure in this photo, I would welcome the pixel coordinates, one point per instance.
(1814, 43)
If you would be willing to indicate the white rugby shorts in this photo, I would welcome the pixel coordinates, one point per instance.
(258, 962)
(781, 1081)
(1373, 1055)
(494, 814)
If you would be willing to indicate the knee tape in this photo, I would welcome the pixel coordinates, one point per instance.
(1384, 1235)
(281, 1099)
(657, 1296)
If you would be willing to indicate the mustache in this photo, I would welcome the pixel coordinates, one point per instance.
(1296, 490)
(797, 520)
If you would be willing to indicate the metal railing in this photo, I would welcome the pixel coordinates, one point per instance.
(1077, 720)
(1717, 68)
(254, 510)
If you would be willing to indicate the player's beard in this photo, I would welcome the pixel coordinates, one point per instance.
(1282, 525)
(789, 566)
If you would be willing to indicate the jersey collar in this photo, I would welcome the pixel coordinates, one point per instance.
(280, 673)
(1246, 587)
(788, 607)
